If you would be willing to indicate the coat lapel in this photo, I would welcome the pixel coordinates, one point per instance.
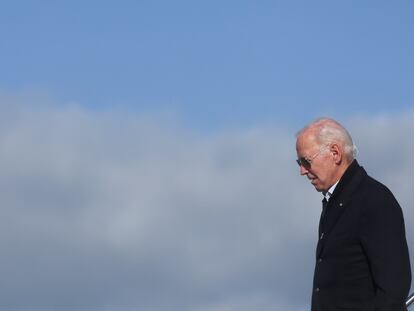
(338, 202)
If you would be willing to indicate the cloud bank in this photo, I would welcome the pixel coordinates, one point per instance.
(116, 211)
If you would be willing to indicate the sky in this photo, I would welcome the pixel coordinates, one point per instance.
(147, 147)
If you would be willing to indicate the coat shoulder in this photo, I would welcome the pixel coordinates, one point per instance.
(373, 186)
(376, 196)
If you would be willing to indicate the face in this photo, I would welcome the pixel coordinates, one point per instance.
(322, 171)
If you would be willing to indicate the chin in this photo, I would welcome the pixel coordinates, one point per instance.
(319, 188)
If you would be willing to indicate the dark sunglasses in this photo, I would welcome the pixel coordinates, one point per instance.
(306, 162)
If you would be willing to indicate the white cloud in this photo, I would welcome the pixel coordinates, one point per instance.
(109, 211)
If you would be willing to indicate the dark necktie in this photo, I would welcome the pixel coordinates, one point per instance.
(324, 205)
(323, 216)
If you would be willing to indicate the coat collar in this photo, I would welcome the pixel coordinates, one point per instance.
(349, 181)
(339, 200)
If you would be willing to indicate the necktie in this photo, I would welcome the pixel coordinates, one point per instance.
(324, 205)
(323, 215)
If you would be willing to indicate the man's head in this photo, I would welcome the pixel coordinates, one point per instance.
(325, 150)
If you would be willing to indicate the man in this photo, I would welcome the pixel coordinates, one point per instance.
(362, 260)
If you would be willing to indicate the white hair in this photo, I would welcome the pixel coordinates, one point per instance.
(328, 131)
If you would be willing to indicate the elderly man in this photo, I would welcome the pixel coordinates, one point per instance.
(362, 260)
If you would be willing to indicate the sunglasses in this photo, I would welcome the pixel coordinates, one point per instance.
(306, 162)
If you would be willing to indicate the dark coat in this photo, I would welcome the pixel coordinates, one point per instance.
(362, 260)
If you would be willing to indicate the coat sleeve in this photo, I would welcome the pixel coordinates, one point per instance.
(383, 238)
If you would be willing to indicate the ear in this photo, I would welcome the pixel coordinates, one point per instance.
(336, 151)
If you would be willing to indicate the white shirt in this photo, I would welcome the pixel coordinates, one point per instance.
(328, 194)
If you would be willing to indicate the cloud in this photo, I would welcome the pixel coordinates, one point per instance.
(113, 211)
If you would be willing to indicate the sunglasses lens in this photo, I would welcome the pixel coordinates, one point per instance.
(303, 162)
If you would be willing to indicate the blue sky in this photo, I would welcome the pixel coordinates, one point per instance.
(147, 148)
(214, 64)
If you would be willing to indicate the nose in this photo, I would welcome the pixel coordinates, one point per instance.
(303, 170)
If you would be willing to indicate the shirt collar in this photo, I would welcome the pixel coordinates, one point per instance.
(330, 191)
